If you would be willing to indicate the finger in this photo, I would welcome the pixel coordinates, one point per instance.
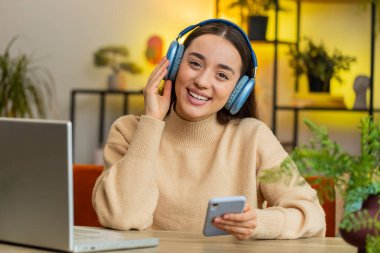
(247, 207)
(164, 63)
(158, 65)
(241, 236)
(157, 78)
(238, 232)
(246, 224)
(167, 89)
(154, 85)
(249, 215)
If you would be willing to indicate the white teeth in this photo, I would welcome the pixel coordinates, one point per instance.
(199, 97)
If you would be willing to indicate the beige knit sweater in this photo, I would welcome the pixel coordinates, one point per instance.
(161, 174)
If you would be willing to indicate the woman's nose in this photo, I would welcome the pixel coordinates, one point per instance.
(203, 80)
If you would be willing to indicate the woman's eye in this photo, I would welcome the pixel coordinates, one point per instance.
(195, 64)
(222, 76)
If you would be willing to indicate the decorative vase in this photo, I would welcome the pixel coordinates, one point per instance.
(257, 27)
(117, 81)
(358, 238)
(316, 84)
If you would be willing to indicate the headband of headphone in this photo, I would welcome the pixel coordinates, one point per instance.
(227, 22)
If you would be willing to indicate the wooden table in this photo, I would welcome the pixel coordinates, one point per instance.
(175, 242)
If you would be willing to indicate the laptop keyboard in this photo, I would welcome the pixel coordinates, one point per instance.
(85, 235)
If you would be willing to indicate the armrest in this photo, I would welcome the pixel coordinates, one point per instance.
(85, 176)
(329, 207)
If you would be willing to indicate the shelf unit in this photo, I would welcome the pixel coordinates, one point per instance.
(296, 109)
(101, 93)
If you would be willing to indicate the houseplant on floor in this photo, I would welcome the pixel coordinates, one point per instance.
(115, 57)
(356, 177)
(255, 11)
(26, 90)
(319, 66)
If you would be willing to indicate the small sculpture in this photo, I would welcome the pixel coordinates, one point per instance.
(361, 85)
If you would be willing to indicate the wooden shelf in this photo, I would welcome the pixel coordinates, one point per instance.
(321, 108)
(273, 42)
(331, 1)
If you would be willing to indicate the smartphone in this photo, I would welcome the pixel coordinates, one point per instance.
(219, 207)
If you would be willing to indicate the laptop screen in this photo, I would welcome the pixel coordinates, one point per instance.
(35, 183)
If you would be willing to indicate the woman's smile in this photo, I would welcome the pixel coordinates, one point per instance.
(197, 98)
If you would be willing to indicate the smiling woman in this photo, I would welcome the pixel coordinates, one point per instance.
(210, 68)
(201, 139)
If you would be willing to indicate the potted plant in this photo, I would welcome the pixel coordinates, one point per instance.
(255, 10)
(25, 89)
(115, 57)
(319, 66)
(356, 177)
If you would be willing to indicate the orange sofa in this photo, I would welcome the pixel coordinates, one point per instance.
(84, 180)
(86, 175)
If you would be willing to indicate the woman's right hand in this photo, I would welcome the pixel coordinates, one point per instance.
(157, 105)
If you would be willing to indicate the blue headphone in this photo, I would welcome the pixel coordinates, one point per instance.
(245, 84)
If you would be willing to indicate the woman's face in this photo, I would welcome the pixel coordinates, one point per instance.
(209, 71)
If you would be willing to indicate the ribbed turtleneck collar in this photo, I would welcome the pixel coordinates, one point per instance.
(192, 133)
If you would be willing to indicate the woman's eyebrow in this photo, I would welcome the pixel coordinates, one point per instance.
(226, 67)
(220, 65)
(198, 55)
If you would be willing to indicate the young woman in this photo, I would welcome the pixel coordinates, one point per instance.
(189, 146)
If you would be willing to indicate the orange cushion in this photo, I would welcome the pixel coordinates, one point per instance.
(84, 180)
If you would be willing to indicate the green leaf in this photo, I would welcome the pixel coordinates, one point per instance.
(115, 57)
(21, 90)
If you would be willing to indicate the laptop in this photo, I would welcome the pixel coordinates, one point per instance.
(36, 191)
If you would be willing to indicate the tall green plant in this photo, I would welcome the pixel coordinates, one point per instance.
(25, 90)
(355, 176)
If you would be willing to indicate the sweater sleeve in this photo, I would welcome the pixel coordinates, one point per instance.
(126, 193)
(294, 210)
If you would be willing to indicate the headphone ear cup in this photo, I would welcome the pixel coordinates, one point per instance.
(236, 92)
(174, 55)
(170, 55)
(243, 95)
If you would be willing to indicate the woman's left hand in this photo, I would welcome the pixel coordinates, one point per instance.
(239, 225)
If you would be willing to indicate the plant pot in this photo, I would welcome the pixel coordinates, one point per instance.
(117, 81)
(257, 27)
(316, 84)
(358, 238)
